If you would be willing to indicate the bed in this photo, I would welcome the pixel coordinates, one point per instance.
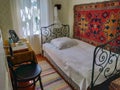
(82, 65)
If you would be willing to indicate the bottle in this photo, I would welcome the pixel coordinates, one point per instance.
(10, 40)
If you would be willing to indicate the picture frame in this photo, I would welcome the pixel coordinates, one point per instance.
(13, 36)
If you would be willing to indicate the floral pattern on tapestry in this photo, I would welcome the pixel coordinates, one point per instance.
(97, 23)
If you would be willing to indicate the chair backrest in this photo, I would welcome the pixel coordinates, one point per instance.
(13, 36)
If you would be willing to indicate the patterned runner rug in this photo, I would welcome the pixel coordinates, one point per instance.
(51, 79)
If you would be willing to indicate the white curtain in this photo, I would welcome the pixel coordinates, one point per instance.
(29, 16)
(29, 11)
(46, 12)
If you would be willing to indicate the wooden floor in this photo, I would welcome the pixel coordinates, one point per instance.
(39, 58)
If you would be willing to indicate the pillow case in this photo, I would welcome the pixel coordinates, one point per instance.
(63, 42)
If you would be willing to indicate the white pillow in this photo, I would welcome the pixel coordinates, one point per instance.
(63, 42)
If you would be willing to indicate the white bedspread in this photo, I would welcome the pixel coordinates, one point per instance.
(76, 62)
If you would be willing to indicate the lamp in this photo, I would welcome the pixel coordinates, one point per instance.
(56, 18)
(58, 6)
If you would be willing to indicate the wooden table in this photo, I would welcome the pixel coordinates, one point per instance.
(21, 54)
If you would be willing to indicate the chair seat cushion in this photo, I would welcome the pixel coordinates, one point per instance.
(27, 71)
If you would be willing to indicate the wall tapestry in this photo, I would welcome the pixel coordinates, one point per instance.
(98, 22)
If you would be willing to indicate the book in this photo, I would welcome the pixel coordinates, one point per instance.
(20, 47)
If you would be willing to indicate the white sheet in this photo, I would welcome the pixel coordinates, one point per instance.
(76, 62)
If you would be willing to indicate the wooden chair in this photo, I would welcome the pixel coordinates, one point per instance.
(24, 72)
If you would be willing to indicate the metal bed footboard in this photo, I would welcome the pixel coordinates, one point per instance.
(106, 60)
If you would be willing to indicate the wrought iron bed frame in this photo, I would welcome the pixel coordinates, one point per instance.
(105, 51)
(108, 54)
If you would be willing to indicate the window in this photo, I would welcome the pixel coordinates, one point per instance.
(30, 16)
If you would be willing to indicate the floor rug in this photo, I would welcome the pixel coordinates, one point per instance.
(51, 79)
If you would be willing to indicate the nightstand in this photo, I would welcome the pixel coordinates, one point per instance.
(21, 53)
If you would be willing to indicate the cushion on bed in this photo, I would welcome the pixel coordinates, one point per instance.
(63, 42)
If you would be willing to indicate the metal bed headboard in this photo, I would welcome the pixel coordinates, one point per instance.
(106, 55)
(53, 31)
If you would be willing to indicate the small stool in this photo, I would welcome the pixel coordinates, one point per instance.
(115, 85)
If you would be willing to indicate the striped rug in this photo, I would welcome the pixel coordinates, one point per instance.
(51, 79)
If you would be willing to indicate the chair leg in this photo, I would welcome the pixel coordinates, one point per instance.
(34, 82)
(15, 85)
(40, 83)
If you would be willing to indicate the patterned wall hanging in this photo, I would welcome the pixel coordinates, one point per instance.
(97, 23)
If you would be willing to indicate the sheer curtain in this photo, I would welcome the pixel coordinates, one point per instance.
(29, 16)
(29, 11)
(46, 12)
